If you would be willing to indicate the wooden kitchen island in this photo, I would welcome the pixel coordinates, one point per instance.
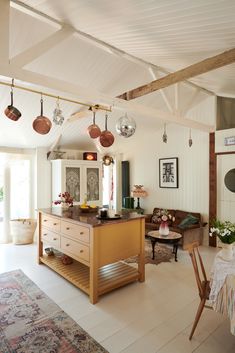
(97, 247)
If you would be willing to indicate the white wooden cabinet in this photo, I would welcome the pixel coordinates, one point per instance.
(82, 179)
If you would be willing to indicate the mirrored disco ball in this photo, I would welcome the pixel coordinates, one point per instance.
(125, 126)
(58, 118)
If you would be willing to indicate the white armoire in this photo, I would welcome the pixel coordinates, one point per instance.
(82, 179)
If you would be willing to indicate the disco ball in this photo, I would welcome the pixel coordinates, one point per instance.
(125, 126)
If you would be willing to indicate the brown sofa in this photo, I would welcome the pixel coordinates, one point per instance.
(191, 233)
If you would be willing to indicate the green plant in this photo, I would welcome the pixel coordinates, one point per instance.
(1, 193)
(225, 231)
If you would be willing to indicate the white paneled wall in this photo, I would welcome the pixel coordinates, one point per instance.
(225, 198)
(193, 192)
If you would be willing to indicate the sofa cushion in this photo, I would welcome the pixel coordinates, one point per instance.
(188, 221)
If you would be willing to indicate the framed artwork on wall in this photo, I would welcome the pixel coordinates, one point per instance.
(168, 172)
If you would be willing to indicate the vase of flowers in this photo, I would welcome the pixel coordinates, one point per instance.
(163, 217)
(65, 200)
(225, 231)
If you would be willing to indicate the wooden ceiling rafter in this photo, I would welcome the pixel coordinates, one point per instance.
(206, 65)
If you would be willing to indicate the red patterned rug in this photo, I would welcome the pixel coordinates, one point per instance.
(30, 322)
(162, 253)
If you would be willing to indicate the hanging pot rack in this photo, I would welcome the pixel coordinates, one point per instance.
(91, 106)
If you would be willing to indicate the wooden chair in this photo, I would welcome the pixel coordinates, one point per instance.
(202, 282)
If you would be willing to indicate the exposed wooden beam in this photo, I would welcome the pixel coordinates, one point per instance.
(42, 47)
(4, 30)
(215, 62)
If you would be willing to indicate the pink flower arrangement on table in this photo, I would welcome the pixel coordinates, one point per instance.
(65, 198)
(164, 216)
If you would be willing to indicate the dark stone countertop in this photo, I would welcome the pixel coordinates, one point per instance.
(87, 218)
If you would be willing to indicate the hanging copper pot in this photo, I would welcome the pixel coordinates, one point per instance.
(42, 125)
(94, 130)
(12, 112)
(106, 137)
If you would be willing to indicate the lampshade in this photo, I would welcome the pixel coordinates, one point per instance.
(139, 191)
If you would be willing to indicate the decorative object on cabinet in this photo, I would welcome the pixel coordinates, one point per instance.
(168, 172)
(125, 126)
(106, 137)
(139, 192)
(107, 160)
(81, 179)
(49, 251)
(90, 156)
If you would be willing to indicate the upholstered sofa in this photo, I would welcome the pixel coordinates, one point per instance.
(189, 232)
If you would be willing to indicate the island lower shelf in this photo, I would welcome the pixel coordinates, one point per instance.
(110, 276)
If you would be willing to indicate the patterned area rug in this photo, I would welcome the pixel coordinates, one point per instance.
(30, 322)
(162, 254)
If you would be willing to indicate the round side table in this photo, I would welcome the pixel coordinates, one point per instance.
(172, 238)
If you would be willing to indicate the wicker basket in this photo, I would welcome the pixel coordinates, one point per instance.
(22, 230)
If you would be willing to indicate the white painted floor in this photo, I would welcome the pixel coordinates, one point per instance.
(150, 317)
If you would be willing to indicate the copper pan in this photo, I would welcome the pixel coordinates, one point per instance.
(106, 137)
(12, 112)
(94, 130)
(42, 125)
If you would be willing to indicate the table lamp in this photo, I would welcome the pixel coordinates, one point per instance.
(138, 192)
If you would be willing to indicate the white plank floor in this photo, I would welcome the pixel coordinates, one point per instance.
(151, 317)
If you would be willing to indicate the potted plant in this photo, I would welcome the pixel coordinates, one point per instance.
(225, 231)
(65, 200)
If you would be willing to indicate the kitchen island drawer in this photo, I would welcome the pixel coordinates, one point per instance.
(76, 231)
(75, 248)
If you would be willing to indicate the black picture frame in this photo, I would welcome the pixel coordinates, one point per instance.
(168, 173)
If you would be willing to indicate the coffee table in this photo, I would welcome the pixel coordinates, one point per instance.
(172, 238)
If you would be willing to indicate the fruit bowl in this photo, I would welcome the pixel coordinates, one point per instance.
(88, 209)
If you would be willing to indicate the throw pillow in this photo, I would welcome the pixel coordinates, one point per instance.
(188, 221)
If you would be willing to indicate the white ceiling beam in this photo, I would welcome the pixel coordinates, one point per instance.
(42, 47)
(176, 110)
(89, 94)
(190, 103)
(163, 94)
(4, 30)
(97, 42)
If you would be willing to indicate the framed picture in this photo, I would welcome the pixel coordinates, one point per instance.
(168, 172)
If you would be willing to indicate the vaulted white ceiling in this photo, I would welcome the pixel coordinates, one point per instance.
(167, 34)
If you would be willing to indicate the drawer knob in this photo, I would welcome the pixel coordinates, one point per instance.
(54, 224)
(45, 234)
(67, 228)
(81, 233)
(54, 238)
(45, 220)
(67, 244)
(81, 251)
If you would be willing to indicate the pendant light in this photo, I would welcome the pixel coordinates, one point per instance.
(164, 136)
(190, 141)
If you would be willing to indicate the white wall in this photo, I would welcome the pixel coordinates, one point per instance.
(193, 192)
